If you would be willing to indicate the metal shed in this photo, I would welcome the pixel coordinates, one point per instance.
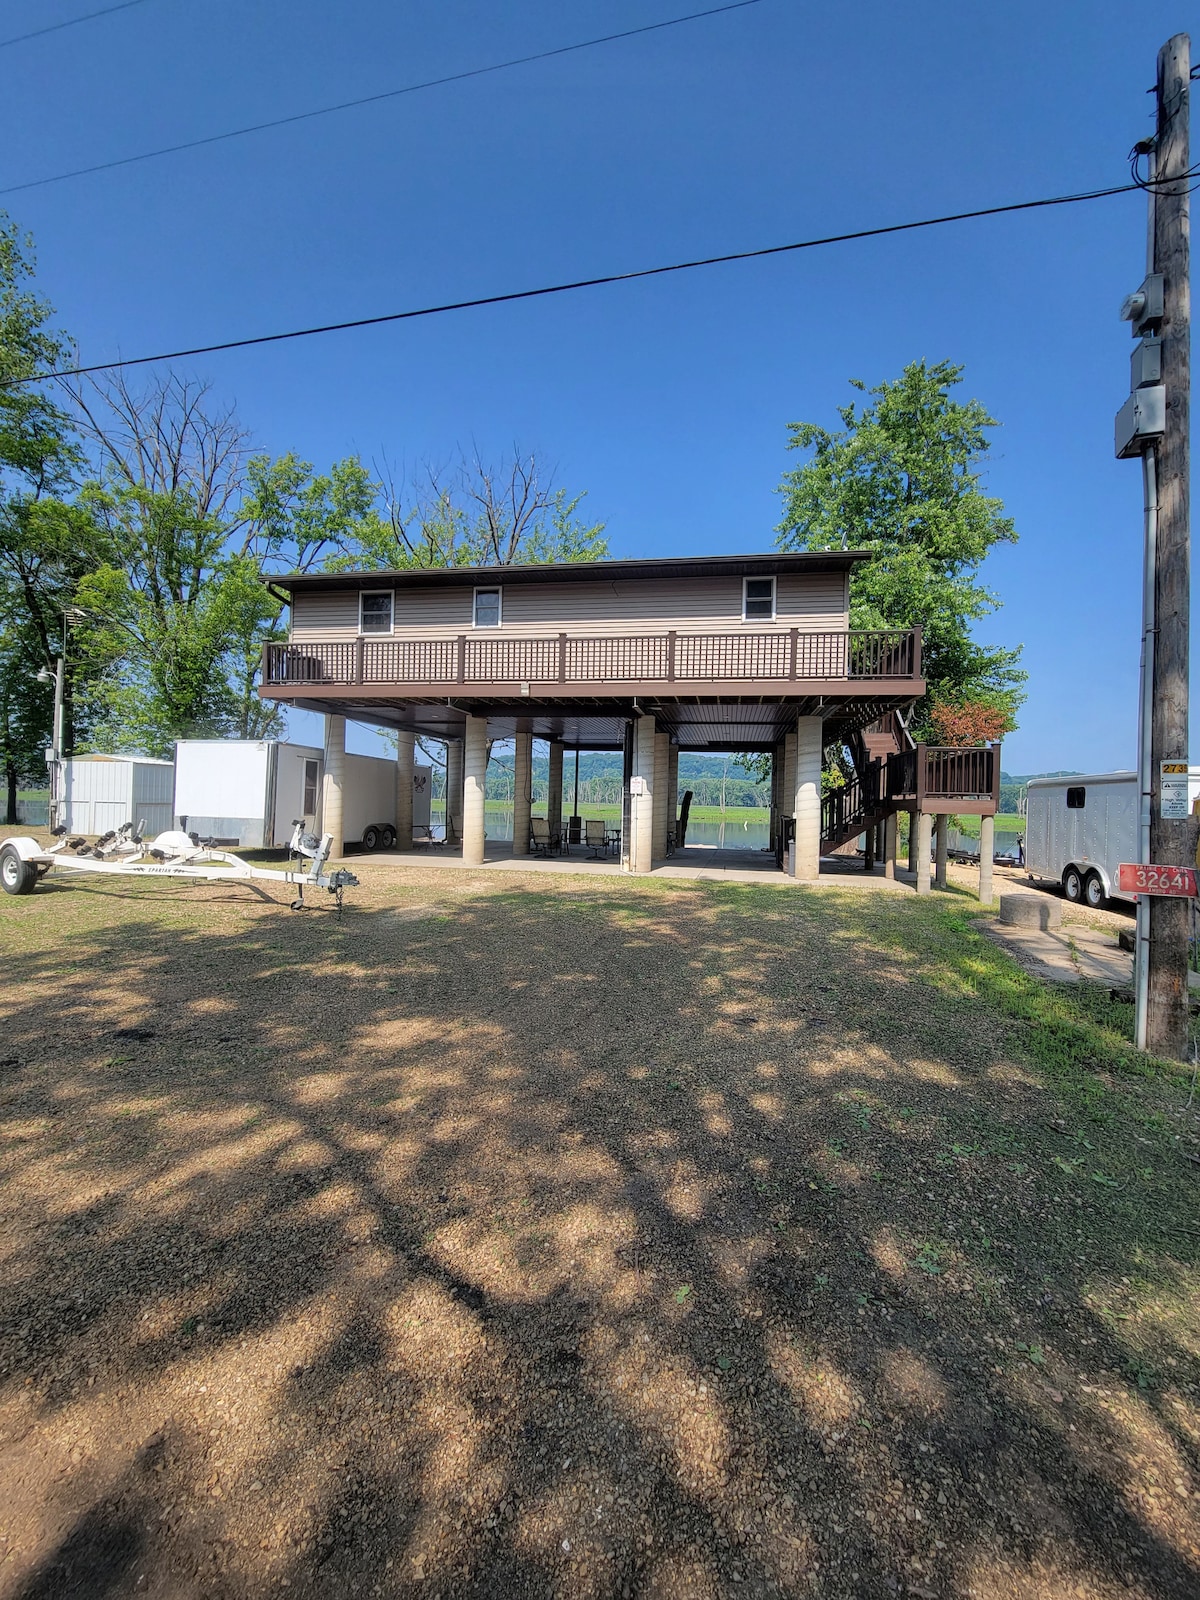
(102, 792)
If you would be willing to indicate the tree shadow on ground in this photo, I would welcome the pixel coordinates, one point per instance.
(595, 1238)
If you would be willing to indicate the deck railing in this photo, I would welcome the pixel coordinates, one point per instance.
(780, 657)
(944, 772)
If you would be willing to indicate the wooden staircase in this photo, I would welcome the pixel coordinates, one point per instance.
(846, 812)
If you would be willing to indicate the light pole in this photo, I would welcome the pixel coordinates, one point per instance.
(54, 754)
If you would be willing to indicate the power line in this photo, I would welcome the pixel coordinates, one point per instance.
(583, 283)
(370, 99)
(74, 22)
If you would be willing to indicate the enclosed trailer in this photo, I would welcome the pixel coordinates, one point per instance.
(1079, 829)
(100, 793)
(249, 793)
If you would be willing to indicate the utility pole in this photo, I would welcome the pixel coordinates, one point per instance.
(1171, 839)
(1153, 425)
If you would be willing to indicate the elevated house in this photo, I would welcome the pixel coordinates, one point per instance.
(648, 657)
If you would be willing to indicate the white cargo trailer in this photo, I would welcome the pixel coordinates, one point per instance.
(248, 793)
(1079, 829)
(101, 793)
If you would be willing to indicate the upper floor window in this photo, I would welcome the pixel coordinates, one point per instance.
(487, 608)
(375, 611)
(758, 599)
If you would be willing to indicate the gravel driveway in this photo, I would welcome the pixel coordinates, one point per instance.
(578, 1237)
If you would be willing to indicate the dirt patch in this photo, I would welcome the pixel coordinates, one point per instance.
(582, 1237)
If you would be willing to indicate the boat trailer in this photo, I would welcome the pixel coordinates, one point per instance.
(124, 853)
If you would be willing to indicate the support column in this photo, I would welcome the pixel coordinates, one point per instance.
(454, 790)
(662, 747)
(776, 792)
(474, 770)
(554, 797)
(673, 791)
(943, 847)
(334, 783)
(522, 791)
(869, 841)
(806, 746)
(912, 841)
(405, 749)
(891, 833)
(641, 820)
(987, 849)
(924, 832)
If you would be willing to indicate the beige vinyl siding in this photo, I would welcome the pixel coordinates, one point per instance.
(621, 606)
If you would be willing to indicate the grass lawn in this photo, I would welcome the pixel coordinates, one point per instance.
(589, 1237)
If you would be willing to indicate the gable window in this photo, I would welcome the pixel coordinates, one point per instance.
(487, 608)
(1076, 798)
(758, 599)
(375, 611)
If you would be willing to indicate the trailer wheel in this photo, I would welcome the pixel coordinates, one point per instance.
(1093, 891)
(370, 838)
(1073, 885)
(16, 876)
(389, 837)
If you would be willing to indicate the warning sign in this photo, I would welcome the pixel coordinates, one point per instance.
(1173, 791)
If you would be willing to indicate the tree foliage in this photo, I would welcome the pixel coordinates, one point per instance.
(971, 722)
(475, 515)
(901, 479)
(144, 513)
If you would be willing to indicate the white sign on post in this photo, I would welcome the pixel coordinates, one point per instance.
(637, 785)
(1173, 791)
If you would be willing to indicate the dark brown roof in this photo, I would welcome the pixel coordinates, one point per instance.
(754, 566)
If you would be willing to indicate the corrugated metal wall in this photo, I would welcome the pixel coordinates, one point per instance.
(107, 793)
(621, 606)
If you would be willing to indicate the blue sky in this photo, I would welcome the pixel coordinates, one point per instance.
(666, 400)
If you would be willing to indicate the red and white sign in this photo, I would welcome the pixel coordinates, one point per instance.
(1135, 877)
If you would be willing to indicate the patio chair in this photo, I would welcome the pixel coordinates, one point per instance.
(540, 837)
(595, 838)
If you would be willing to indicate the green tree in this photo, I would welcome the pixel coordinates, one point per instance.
(477, 515)
(902, 480)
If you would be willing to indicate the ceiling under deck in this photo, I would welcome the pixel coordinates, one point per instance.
(720, 722)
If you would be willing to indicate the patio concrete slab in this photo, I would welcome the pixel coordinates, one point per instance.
(1071, 954)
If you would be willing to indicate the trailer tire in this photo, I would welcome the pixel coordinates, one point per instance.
(1093, 891)
(370, 838)
(16, 876)
(389, 837)
(1072, 884)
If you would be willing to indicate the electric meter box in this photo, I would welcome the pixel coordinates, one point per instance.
(1140, 420)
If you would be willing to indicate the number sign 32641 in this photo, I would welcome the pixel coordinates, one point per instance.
(1136, 877)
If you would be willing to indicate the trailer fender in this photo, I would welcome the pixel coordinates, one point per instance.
(28, 849)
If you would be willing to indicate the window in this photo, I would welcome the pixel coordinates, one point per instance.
(1076, 796)
(758, 599)
(375, 611)
(487, 608)
(312, 776)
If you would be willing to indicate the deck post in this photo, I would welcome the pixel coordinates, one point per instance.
(554, 797)
(473, 761)
(987, 848)
(334, 782)
(522, 791)
(454, 790)
(662, 757)
(673, 790)
(912, 841)
(943, 850)
(924, 832)
(807, 743)
(891, 830)
(405, 754)
(641, 805)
